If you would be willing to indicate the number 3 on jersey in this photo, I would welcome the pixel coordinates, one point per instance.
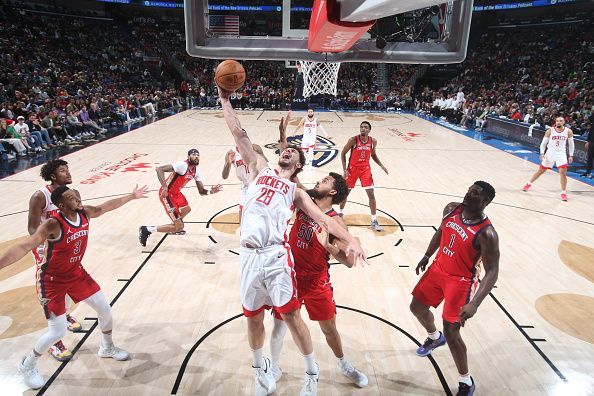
(266, 196)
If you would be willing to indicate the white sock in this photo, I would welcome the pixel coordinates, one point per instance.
(339, 210)
(310, 364)
(106, 340)
(257, 358)
(465, 379)
(151, 229)
(529, 184)
(434, 336)
(30, 360)
(341, 361)
(563, 192)
(373, 218)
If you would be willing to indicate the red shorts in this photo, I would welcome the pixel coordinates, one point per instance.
(173, 203)
(362, 173)
(318, 297)
(436, 286)
(52, 290)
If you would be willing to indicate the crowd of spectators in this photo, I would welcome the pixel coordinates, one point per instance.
(528, 74)
(65, 80)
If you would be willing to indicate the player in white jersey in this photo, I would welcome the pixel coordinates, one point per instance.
(41, 208)
(310, 132)
(267, 276)
(233, 158)
(553, 151)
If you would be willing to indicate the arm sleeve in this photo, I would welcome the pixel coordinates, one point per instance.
(198, 176)
(180, 167)
(543, 144)
(571, 147)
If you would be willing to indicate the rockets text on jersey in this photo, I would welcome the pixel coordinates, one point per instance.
(558, 140)
(241, 169)
(361, 152)
(49, 209)
(459, 250)
(267, 210)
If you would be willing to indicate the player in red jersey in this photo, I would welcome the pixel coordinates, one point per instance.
(173, 200)
(464, 238)
(41, 208)
(362, 147)
(311, 245)
(61, 272)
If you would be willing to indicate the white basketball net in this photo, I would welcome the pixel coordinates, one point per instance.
(319, 77)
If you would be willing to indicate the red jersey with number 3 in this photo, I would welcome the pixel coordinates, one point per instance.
(309, 255)
(361, 152)
(459, 250)
(63, 255)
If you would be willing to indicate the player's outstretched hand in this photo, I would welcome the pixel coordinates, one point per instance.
(223, 94)
(356, 249)
(216, 189)
(141, 192)
(230, 156)
(422, 265)
(467, 312)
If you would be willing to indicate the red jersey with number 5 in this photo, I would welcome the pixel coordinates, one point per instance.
(459, 250)
(63, 255)
(361, 152)
(309, 255)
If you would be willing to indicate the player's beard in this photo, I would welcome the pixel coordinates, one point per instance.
(315, 194)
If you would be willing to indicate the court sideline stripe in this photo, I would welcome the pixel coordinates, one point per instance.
(530, 340)
(56, 373)
(184, 364)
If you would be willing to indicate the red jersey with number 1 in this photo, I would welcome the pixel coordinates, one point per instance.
(63, 255)
(459, 250)
(361, 152)
(309, 255)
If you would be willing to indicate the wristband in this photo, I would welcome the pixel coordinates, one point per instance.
(425, 256)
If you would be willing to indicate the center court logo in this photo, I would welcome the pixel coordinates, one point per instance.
(324, 152)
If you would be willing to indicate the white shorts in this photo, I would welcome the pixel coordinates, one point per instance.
(553, 158)
(267, 280)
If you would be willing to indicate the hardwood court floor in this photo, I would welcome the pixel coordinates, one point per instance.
(176, 302)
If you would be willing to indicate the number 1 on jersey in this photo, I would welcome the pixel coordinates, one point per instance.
(452, 239)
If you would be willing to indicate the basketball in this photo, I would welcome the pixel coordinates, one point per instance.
(230, 75)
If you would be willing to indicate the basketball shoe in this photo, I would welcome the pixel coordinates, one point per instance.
(526, 187)
(347, 369)
(31, 376)
(143, 234)
(59, 352)
(310, 385)
(113, 352)
(265, 383)
(466, 390)
(375, 225)
(564, 197)
(73, 324)
(429, 345)
(277, 372)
